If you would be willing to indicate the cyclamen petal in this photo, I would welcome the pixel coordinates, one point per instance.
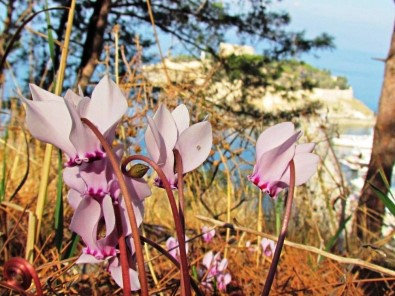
(181, 117)
(115, 270)
(106, 106)
(171, 131)
(305, 166)
(276, 147)
(208, 234)
(268, 246)
(85, 221)
(83, 139)
(50, 122)
(55, 120)
(277, 134)
(194, 145)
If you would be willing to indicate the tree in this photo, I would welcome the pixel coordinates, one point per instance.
(371, 207)
(197, 25)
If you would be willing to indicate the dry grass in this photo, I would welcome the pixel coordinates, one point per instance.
(299, 273)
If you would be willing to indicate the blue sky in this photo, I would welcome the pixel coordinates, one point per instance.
(363, 25)
(362, 30)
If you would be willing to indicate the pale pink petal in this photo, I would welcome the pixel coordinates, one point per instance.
(86, 258)
(108, 214)
(223, 280)
(208, 234)
(159, 149)
(85, 221)
(94, 175)
(181, 117)
(172, 247)
(166, 126)
(72, 178)
(116, 273)
(222, 265)
(273, 163)
(83, 139)
(304, 148)
(138, 188)
(154, 142)
(208, 259)
(39, 94)
(194, 145)
(73, 97)
(50, 122)
(138, 208)
(107, 105)
(273, 137)
(74, 198)
(305, 166)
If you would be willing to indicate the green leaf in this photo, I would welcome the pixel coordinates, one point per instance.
(334, 238)
(387, 184)
(389, 204)
(75, 238)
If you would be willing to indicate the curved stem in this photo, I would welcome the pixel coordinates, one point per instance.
(176, 217)
(283, 233)
(18, 268)
(180, 185)
(129, 208)
(123, 252)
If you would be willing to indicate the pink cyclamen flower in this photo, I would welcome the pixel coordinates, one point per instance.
(171, 131)
(56, 120)
(268, 247)
(216, 270)
(208, 234)
(174, 250)
(275, 148)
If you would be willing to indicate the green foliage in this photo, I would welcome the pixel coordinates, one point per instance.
(388, 201)
(286, 74)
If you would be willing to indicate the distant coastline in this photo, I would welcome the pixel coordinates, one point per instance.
(362, 69)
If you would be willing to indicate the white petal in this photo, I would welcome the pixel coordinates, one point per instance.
(273, 137)
(194, 145)
(107, 105)
(181, 117)
(50, 122)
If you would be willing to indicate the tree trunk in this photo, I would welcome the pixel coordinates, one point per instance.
(93, 45)
(371, 208)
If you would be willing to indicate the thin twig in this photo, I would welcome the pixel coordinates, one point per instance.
(311, 249)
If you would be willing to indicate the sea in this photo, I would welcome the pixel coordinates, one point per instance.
(364, 71)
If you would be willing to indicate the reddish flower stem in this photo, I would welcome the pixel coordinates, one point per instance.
(180, 186)
(131, 215)
(185, 282)
(123, 252)
(283, 233)
(18, 268)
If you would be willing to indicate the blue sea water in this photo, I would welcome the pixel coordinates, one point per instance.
(362, 69)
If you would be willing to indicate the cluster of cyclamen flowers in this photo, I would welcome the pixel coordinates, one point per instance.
(216, 275)
(94, 190)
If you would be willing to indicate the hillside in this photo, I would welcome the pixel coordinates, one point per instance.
(268, 86)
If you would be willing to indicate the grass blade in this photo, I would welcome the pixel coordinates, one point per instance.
(389, 204)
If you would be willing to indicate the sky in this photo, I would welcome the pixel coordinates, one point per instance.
(363, 25)
(362, 32)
